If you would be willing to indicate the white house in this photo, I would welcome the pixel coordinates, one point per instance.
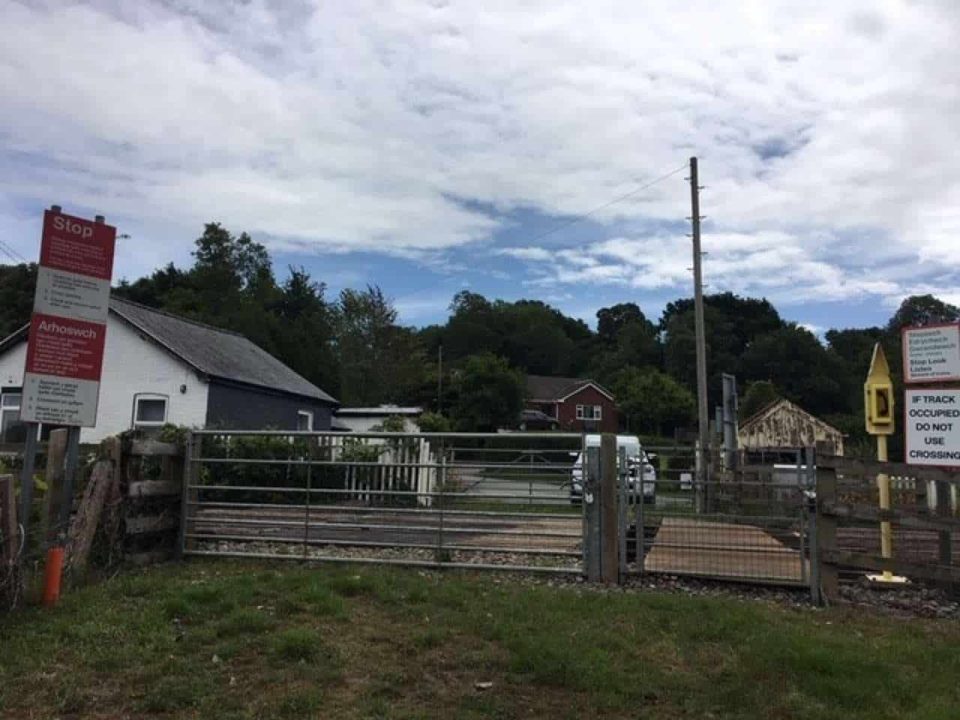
(161, 368)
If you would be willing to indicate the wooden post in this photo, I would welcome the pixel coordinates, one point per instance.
(10, 586)
(9, 534)
(945, 537)
(609, 564)
(26, 480)
(55, 496)
(826, 534)
(189, 493)
(88, 516)
(70, 472)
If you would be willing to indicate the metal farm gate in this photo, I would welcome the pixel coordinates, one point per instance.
(511, 501)
(453, 499)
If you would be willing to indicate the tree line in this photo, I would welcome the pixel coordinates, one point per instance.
(354, 347)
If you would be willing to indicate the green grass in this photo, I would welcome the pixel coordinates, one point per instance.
(251, 640)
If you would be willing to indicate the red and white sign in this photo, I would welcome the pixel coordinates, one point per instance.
(68, 330)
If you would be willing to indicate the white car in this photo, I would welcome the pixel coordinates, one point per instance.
(638, 462)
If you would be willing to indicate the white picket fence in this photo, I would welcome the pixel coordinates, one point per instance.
(405, 464)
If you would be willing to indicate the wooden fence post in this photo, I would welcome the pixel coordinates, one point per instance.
(944, 537)
(54, 497)
(84, 526)
(827, 533)
(9, 545)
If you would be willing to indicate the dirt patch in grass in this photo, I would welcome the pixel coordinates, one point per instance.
(250, 640)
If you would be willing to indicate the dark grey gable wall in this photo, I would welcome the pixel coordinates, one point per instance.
(236, 407)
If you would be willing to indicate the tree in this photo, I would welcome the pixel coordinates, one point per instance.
(732, 323)
(431, 422)
(17, 283)
(922, 310)
(795, 361)
(759, 395)
(853, 349)
(530, 334)
(489, 394)
(304, 336)
(652, 401)
(625, 338)
(379, 360)
(611, 320)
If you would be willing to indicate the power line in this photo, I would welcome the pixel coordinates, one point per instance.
(11, 253)
(621, 198)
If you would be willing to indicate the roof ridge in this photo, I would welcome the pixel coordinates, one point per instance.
(174, 316)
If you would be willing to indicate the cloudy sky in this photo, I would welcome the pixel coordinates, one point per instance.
(430, 146)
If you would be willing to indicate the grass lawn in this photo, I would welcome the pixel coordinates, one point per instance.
(250, 640)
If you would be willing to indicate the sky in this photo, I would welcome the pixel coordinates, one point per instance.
(514, 149)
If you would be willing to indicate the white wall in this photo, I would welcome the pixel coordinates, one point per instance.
(131, 365)
(364, 423)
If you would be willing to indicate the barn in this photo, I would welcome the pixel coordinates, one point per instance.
(783, 424)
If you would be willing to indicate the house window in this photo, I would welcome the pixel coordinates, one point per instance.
(304, 420)
(149, 410)
(589, 412)
(11, 429)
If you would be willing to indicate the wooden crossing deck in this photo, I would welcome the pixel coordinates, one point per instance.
(686, 546)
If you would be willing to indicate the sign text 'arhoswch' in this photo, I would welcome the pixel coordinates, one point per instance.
(68, 329)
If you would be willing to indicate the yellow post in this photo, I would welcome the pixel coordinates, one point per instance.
(878, 405)
(883, 485)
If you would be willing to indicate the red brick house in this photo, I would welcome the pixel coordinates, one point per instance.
(572, 404)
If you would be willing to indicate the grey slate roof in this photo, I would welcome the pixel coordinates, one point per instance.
(216, 352)
(542, 387)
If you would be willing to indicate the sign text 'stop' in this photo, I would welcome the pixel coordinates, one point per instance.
(78, 246)
(931, 353)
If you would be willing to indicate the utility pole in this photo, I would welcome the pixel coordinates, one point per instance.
(703, 455)
(440, 380)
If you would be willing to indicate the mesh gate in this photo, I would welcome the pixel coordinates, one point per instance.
(749, 525)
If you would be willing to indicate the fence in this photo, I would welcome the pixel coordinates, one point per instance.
(497, 500)
(750, 524)
(516, 501)
(126, 509)
(923, 519)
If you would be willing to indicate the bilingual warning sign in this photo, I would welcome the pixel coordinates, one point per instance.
(932, 427)
(68, 330)
(931, 353)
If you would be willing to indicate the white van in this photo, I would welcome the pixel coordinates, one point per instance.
(637, 462)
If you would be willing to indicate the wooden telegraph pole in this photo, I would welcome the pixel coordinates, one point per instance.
(703, 431)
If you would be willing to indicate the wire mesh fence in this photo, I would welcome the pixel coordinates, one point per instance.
(748, 524)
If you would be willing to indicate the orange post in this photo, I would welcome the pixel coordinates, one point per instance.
(52, 575)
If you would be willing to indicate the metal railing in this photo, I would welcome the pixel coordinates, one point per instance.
(478, 500)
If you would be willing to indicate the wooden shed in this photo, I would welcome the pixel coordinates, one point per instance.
(783, 424)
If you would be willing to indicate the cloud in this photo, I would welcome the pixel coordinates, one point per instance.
(416, 128)
(773, 264)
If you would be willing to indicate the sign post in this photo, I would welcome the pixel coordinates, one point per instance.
(68, 329)
(878, 411)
